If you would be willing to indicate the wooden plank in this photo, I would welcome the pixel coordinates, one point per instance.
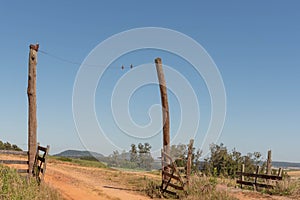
(244, 182)
(252, 184)
(42, 148)
(264, 176)
(22, 170)
(21, 162)
(40, 169)
(170, 192)
(165, 173)
(41, 159)
(174, 186)
(25, 153)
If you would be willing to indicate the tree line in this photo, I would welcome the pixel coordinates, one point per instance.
(220, 162)
(8, 146)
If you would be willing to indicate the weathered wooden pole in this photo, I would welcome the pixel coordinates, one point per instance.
(165, 105)
(189, 162)
(269, 163)
(31, 92)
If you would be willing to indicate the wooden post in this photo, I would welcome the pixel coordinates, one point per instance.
(242, 175)
(255, 178)
(269, 163)
(280, 172)
(165, 106)
(189, 162)
(31, 92)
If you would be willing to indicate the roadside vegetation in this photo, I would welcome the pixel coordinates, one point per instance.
(13, 186)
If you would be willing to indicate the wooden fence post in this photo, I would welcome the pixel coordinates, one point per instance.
(269, 163)
(280, 172)
(242, 175)
(31, 92)
(255, 178)
(189, 162)
(165, 106)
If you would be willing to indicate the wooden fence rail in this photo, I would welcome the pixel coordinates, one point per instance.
(39, 166)
(16, 161)
(255, 176)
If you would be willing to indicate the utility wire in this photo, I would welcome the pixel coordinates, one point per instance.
(78, 63)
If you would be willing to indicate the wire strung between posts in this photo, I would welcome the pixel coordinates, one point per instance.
(78, 63)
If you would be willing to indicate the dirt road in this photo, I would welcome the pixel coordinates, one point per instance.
(76, 182)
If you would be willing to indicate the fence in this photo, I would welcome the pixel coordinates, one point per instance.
(255, 177)
(21, 159)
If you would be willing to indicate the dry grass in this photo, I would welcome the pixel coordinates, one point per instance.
(14, 186)
(205, 188)
(201, 188)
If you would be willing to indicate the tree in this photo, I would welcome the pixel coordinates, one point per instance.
(224, 163)
(179, 154)
(145, 159)
(133, 154)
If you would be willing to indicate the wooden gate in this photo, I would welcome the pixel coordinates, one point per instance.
(39, 167)
(170, 175)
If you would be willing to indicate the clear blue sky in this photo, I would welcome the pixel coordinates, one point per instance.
(255, 45)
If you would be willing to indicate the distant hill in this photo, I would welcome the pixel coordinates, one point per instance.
(278, 164)
(79, 154)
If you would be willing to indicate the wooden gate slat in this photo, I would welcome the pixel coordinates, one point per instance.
(25, 153)
(21, 162)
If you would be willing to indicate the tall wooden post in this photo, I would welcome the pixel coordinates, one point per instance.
(269, 163)
(165, 105)
(31, 92)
